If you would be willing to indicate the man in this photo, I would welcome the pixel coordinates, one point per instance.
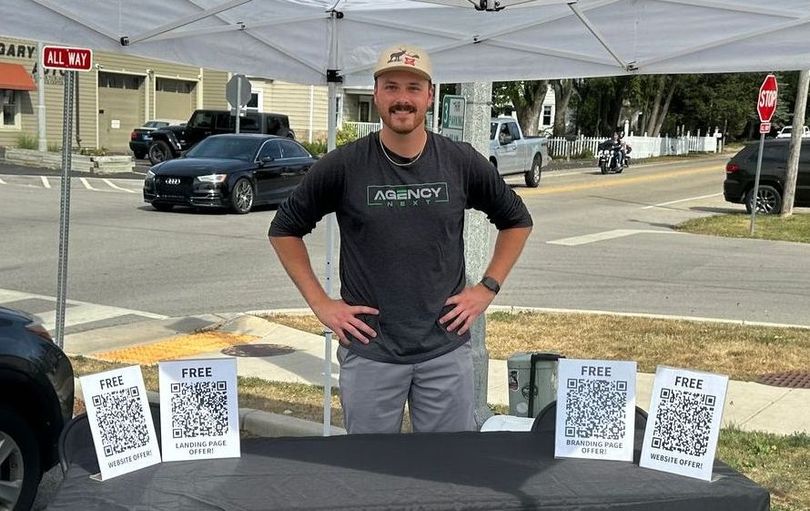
(404, 315)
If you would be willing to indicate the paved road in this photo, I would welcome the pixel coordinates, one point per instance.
(600, 242)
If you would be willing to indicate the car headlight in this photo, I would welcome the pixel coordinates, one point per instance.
(150, 175)
(211, 178)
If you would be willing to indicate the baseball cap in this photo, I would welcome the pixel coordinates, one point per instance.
(404, 57)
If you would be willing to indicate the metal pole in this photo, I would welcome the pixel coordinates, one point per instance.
(755, 196)
(436, 106)
(42, 135)
(64, 215)
(238, 101)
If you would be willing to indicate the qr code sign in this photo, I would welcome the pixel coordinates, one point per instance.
(199, 409)
(683, 422)
(121, 423)
(595, 408)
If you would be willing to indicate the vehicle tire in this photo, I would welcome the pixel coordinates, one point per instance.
(20, 463)
(769, 200)
(242, 197)
(162, 206)
(159, 151)
(604, 167)
(533, 174)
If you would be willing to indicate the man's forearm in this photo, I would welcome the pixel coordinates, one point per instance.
(508, 246)
(293, 254)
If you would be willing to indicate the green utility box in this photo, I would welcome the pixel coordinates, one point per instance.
(535, 371)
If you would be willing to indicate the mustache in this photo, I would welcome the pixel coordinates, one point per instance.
(402, 106)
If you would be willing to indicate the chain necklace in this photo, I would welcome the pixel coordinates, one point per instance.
(406, 164)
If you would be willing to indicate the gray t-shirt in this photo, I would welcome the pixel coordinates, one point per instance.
(401, 235)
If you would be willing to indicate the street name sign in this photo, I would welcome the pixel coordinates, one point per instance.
(453, 109)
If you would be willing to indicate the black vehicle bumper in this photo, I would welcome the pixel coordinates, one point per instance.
(138, 146)
(210, 199)
(733, 191)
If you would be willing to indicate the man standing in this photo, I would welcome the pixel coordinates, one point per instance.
(405, 312)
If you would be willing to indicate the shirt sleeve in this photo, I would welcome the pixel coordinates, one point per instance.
(488, 192)
(318, 195)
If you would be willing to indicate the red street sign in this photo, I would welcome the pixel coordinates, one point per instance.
(766, 102)
(765, 128)
(69, 59)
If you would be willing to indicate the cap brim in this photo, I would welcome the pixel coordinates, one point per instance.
(407, 69)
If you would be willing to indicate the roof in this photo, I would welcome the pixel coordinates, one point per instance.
(15, 77)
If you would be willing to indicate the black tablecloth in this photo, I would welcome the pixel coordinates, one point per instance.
(503, 471)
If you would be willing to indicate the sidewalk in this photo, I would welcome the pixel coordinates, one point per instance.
(749, 406)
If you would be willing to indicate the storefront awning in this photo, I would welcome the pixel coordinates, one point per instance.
(15, 77)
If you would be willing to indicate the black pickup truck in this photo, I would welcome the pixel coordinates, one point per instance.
(171, 141)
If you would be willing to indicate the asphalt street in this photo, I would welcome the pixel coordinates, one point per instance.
(600, 243)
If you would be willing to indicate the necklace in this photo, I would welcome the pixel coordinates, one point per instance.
(406, 164)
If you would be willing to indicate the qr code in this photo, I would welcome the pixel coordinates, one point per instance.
(595, 408)
(683, 422)
(199, 409)
(121, 422)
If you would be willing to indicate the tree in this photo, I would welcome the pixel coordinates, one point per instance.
(599, 103)
(795, 142)
(527, 99)
(563, 92)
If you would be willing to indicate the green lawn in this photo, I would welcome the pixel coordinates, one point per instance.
(767, 227)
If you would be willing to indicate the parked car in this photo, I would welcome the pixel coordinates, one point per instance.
(741, 171)
(787, 132)
(513, 153)
(169, 142)
(232, 171)
(36, 401)
(141, 137)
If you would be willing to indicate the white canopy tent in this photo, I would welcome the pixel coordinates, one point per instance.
(329, 41)
(301, 40)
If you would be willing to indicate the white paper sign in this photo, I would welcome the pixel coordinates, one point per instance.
(198, 404)
(596, 403)
(684, 422)
(507, 423)
(120, 421)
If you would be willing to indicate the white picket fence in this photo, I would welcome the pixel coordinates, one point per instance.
(643, 147)
(561, 148)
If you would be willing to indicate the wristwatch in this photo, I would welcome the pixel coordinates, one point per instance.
(491, 284)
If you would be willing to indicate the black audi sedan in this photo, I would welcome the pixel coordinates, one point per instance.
(229, 171)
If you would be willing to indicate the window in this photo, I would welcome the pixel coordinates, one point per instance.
(364, 110)
(250, 123)
(513, 130)
(290, 149)
(9, 114)
(202, 119)
(254, 104)
(271, 149)
(546, 115)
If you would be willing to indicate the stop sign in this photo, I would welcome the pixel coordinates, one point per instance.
(766, 103)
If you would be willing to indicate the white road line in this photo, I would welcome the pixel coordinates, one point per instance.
(113, 185)
(87, 185)
(45, 182)
(603, 236)
(2, 182)
(681, 200)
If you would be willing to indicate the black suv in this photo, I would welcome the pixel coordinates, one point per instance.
(169, 142)
(36, 400)
(741, 171)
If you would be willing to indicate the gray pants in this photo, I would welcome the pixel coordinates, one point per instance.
(439, 393)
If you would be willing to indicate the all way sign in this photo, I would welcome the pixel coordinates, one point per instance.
(69, 59)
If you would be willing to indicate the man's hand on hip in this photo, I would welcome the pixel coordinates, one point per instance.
(469, 304)
(342, 319)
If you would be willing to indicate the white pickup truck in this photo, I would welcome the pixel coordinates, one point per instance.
(513, 153)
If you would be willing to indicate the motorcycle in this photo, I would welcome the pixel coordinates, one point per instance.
(613, 156)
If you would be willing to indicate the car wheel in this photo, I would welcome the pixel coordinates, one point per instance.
(769, 200)
(162, 206)
(159, 151)
(140, 155)
(604, 167)
(19, 461)
(242, 197)
(533, 175)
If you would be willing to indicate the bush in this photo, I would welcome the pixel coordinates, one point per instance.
(27, 141)
(346, 134)
(53, 147)
(92, 151)
(316, 148)
(586, 154)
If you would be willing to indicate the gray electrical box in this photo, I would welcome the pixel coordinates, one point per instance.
(535, 371)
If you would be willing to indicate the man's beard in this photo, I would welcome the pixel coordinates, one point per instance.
(399, 128)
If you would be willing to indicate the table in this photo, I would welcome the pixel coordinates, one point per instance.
(439, 471)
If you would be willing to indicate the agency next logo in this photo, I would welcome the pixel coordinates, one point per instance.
(405, 196)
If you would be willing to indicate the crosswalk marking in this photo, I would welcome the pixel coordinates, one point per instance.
(3, 182)
(87, 184)
(45, 182)
(76, 312)
(602, 236)
(93, 184)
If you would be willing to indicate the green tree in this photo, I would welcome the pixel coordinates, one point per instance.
(527, 99)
